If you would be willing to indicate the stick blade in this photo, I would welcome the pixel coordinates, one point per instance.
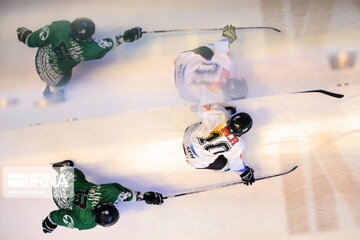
(331, 94)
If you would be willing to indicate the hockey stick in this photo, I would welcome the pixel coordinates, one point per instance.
(331, 94)
(209, 29)
(228, 184)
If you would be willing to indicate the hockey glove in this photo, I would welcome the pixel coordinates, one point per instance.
(231, 110)
(23, 34)
(153, 198)
(48, 226)
(132, 34)
(248, 176)
(229, 33)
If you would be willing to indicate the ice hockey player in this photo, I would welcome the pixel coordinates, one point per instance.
(215, 143)
(62, 45)
(204, 74)
(84, 205)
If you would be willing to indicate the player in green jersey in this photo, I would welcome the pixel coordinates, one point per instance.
(83, 205)
(62, 45)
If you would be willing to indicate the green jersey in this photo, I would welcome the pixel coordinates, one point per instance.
(77, 204)
(58, 53)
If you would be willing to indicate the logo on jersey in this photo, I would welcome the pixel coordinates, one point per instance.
(103, 43)
(44, 33)
(123, 196)
(232, 139)
(189, 153)
(68, 221)
(76, 51)
(94, 195)
(207, 107)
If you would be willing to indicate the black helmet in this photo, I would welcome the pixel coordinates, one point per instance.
(82, 28)
(239, 124)
(234, 88)
(106, 214)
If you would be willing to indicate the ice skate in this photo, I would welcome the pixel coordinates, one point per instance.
(65, 163)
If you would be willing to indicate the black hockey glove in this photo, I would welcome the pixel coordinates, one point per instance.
(48, 226)
(132, 34)
(248, 176)
(231, 110)
(23, 33)
(153, 198)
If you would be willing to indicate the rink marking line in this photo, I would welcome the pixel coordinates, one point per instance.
(326, 217)
(339, 173)
(313, 192)
(295, 198)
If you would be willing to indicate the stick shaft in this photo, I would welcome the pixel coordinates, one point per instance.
(208, 29)
(227, 184)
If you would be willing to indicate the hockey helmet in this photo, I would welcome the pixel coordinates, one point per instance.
(234, 88)
(239, 124)
(106, 214)
(82, 29)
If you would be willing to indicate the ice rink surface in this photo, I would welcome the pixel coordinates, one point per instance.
(123, 120)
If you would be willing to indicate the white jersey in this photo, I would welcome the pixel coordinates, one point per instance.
(200, 80)
(204, 142)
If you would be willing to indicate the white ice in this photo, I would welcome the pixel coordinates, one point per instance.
(123, 119)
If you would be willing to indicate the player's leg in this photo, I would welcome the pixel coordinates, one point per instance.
(60, 166)
(51, 75)
(65, 163)
(220, 164)
(184, 63)
(69, 180)
(54, 94)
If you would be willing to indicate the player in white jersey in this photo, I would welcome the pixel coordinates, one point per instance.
(204, 75)
(215, 142)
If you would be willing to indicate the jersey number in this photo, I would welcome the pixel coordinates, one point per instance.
(61, 50)
(81, 198)
(214, 148)
(207, 68)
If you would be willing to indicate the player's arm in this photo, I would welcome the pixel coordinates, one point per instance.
(103, 46)
(131, 195)
(246, 173)
(222, 46)
(54, 219)
(66, 218)
(48, 225)
(23, 34)
(212, 117)
(110, 43)
(124, 194)
(100, 47)
(38, 38)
